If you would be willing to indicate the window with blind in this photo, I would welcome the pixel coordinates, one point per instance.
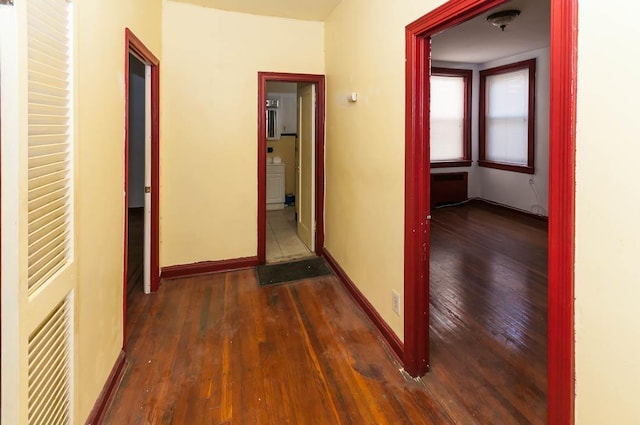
(450, 116)
(49, 139)
(507, 111)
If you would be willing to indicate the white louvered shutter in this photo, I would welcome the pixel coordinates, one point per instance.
(50, 368)
(49, 139)
(39, 274)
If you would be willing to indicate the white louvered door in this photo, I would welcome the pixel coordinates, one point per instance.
(38, 263)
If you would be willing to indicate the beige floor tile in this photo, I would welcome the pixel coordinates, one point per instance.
(283, 242)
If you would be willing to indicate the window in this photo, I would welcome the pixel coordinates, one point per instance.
(507, 111)
(450, 132)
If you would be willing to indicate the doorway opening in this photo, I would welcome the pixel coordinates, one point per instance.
(141, 176)
(290, 166)
(563, 58)
(290, 169)
(488, 230)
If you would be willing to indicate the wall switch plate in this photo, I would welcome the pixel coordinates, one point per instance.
(395, 302)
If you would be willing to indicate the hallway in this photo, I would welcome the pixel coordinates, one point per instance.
(219, 349)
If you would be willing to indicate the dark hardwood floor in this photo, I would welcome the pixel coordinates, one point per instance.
(135, 284)
(488, 305)
(219, 349)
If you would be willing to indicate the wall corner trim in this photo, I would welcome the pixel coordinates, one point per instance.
(367, 308)
(205, 267)
(108, 391)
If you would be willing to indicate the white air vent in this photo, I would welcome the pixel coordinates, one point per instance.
(50, 372)
(50, 120)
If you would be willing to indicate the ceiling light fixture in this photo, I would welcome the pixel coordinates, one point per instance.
(503, 18)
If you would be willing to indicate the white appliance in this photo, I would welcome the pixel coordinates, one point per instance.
(275, 186)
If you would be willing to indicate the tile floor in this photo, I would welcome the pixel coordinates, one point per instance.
(283, 243)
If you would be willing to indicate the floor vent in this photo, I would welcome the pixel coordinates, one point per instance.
(448, 188)
(50, 372)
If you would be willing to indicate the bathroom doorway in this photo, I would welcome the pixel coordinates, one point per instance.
(291, 166)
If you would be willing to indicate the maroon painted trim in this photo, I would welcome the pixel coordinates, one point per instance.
(449, 164)
(319, 81)
(417, 207)
(506, 167)
(108, 391)
(562, 156)
(205, 267)
(133, 44)
(452, 13)
(467, 79)
(378, 322)
(561, 343)
(530, 65)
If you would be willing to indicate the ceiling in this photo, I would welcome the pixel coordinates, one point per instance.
(477, 41)
(474, 41)
(309, 10)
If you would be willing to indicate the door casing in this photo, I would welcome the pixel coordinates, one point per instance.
(562, 143)
(134, 45)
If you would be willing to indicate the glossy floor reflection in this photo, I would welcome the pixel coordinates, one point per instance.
(489, 313)
(220, 349)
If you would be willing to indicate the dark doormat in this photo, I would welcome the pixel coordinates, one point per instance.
(288, 272)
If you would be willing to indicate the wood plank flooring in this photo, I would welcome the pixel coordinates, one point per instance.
(219, 349)
(488, 314)
(136, 300)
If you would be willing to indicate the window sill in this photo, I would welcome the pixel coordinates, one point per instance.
(444, 164)
(507, 167)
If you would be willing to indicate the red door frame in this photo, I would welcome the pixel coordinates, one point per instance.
(560, 364)
(319, 82)
(134, 45)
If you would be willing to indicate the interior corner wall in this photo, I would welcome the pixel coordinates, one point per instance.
(607, 238)
(209, 81)
(512, 188)
(99, 183)
(364, 209)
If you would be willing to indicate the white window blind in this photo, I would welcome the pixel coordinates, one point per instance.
(49, 143)
(507, 112)
(447, 118)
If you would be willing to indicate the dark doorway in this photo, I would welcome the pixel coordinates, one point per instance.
(136, 172)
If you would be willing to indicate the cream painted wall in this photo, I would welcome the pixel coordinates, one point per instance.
(607, 211)
(209, 127)
(100, 184)
(364, 227)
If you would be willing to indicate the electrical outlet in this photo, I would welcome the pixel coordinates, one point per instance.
(395, 302)
(531, 180)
